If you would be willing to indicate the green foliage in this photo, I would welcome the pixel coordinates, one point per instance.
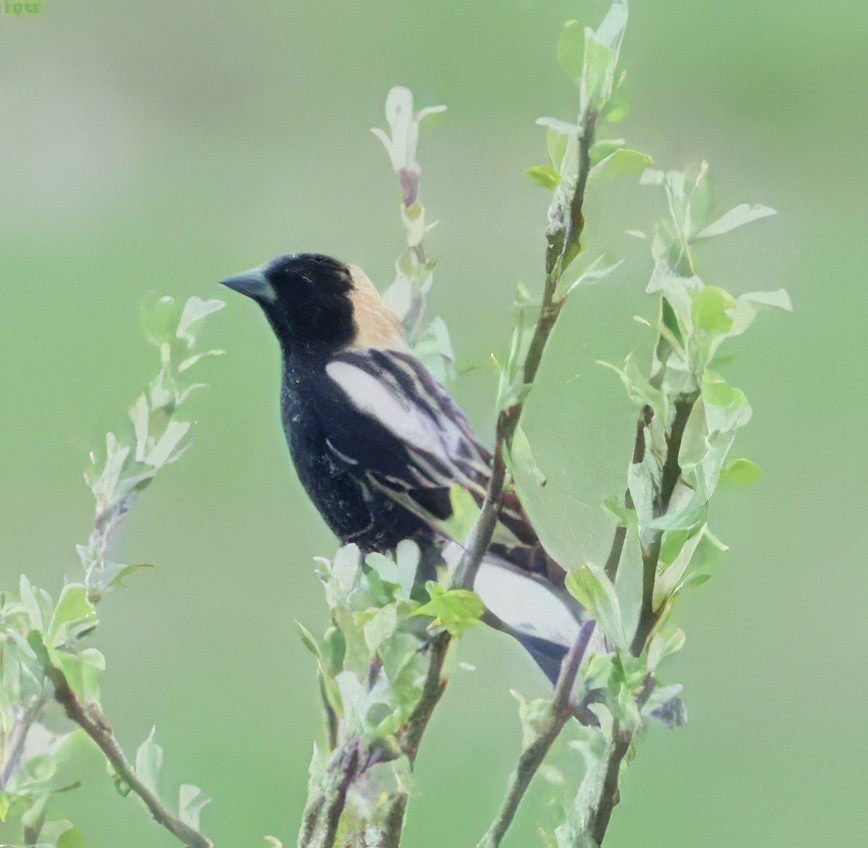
(465, 514)
(369, 661)
(158, 436)
(454, 609)
(414, 269)
(41, 636)
(688, 413)
(592, 588)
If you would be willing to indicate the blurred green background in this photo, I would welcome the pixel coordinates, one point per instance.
(162, 145)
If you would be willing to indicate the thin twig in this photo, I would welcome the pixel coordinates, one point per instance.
(471, 559)
(389, 834)
(614, 559)
(532, 757)
(324, 809)
(651, 555)
(90, 718)
(610, 795)
(331, 718)
(621, 738)
(309, 819)
(18, 738)
(432, 690)
(561, 241)
(572, 662)
(345, 770)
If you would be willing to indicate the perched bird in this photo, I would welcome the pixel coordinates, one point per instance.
(377, 443)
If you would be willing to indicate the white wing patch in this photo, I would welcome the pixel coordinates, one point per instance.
(379, 400)
(381, 397)
(524, 603)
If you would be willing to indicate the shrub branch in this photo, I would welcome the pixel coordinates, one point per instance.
(563, 240)
(91, 719)
(532, 757)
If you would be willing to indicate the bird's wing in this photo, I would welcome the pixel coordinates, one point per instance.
(408, 432)
(409, 438)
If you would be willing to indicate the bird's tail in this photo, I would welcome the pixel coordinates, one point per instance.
(529, 606)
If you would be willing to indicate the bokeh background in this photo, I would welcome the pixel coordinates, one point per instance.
(160, 146)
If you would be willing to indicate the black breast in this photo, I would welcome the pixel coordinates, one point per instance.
(339, 485)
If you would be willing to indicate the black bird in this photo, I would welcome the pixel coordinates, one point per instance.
(377, 442)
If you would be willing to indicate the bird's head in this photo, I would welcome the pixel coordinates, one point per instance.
(318, 304)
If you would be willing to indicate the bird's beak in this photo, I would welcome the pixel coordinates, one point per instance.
(252, 283)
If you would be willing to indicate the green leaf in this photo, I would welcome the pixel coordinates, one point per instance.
(105, 488)
(71, 837)
(556, 146)
(434, 348)
(520, 457)
(622, 162)
(160, 318)
(639, 390)
(748, 305)
(726, 407)
(615, 111)
(663, 645)
(535, 717)
(454, 609)
(333, 649)
(37, 645)
(105, 576)
(399, 573)
(191, 801)
(571, 49)
(190, 361)
(592, 588)
(511, 387)
(643, 480)
(169, 447)
(195, 311)
(666, 584)
(140, 415)
(595, 272)
(652, 176)
(741, 472)
(557, 125)
(149, 762)
(465, 513)
(407, 558)
(399, 296)
(308, 639)
(624, 515)
(81, 671)
(600, 58)
(73, 615)
(380, 627)
(711, 309)
(30, 603)
(705, 557)
(330, 691)
(739, 216)
(544, 176)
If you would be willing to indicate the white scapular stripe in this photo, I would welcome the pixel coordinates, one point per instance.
(524, 603)
(384, 402)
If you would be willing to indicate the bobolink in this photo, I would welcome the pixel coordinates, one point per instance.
(377, 443)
